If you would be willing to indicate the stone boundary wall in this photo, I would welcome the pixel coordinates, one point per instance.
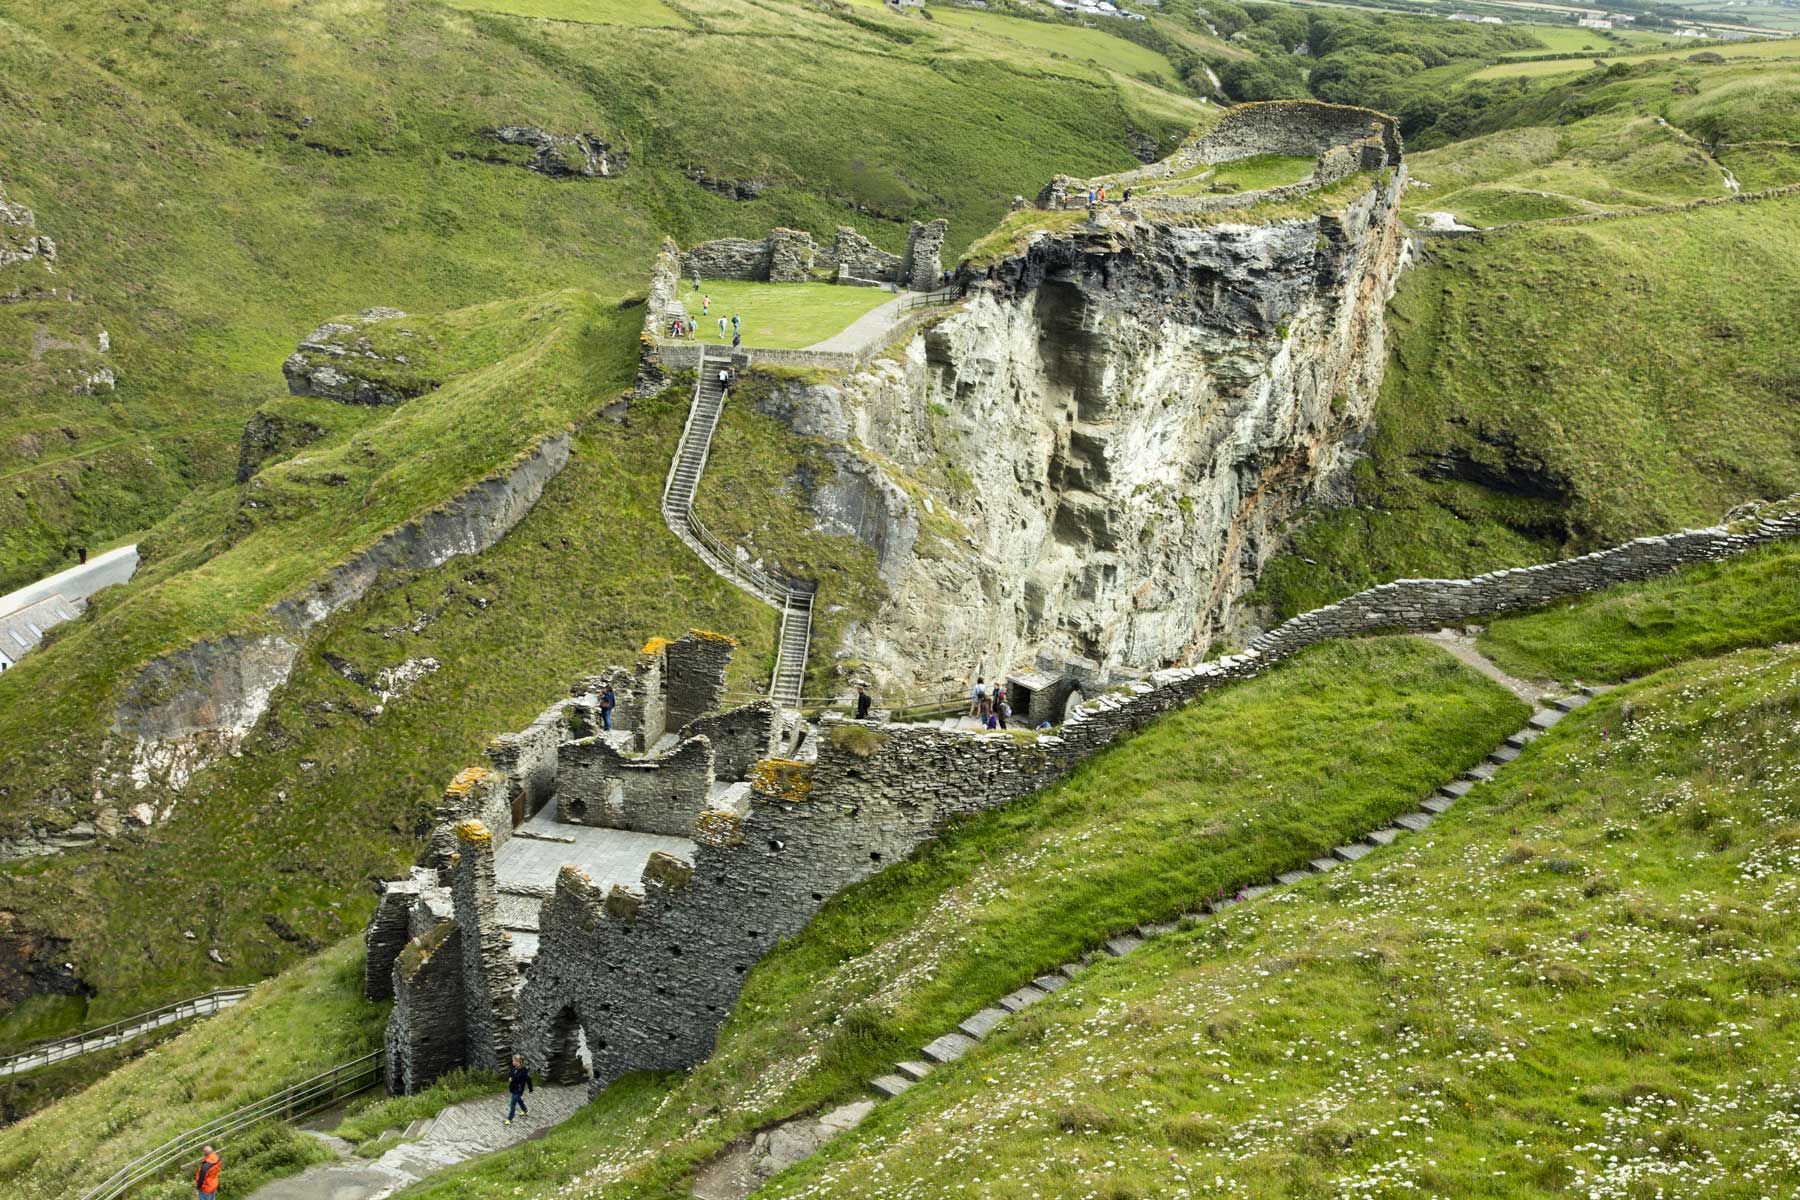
(1775, 193)
(1343, 138)
(650, 972)
(601, 787)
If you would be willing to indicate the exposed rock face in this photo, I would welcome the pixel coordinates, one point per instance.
(186, 709)
(271, 435)
(562, 155)
(20, 242)
(731, 189)
(334, 362)
(1092, 457)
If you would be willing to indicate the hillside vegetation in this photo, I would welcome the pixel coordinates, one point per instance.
(1557, 388)
(1578, 980)
(222, 178)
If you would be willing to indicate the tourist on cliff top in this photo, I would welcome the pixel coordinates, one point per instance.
(736, 340)
(721, 329)
(1002, 710)
(206, 1179)
(705, 303)
(608, 702)
(863, 700)
(978, 698)
(518, 1082)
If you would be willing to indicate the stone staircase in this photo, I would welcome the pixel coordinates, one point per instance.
(793, 600)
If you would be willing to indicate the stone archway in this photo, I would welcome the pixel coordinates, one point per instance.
(567, 1053)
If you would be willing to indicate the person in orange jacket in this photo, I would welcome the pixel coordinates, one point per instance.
(206, 1179)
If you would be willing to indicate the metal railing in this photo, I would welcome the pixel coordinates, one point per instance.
(289, 1104)
(768, 586)
(60, 1049)
(914, 300)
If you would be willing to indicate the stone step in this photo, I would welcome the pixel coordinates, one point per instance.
(890, 1085)
(1570, 703)
(1503, 754)
(1523, 738)
(1349, 853)
(1480, 772)
(1152, 929)
(1326, 864)
(1456, 789)
(1049, 983)
(1436, 804)
(1122, 945)
(949, 1048)
(980, 1024)
(1415, 821)
(1257, 892)
(1289, 878)
(1022, 999)
(1544, 718)
(1384, 837)
(913, 1070)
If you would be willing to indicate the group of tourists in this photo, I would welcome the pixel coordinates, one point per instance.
(988, 704)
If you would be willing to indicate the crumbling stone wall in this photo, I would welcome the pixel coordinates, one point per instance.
(488, 975)
(791, 255)
(599, 786)
(727, 258)
(740, 737)
(855, 255)
(922, 266)
(693, 675)
(425, 1036)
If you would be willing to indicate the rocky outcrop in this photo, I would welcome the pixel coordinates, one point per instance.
(338, 361)
(269, 436)
(20, 242)
(188, 708)
(1093, 456)
(731, 189)
(562, 155)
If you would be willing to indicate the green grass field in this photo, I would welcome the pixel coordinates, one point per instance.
(1063, 40)
(1579, 981)
(778, 316)
(1780, 48)
(593, 12)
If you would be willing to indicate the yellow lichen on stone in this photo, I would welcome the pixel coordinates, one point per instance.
(719, 827)
(782, 778)
(473, 833)
(623, 904)
(467, 781)
(710, 636)
(655, 646)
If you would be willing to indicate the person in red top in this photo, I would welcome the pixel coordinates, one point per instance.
(206, 1179)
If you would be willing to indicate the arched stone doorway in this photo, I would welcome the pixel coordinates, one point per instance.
(568, 1052)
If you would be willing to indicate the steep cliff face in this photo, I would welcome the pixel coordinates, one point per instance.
(1091, 457)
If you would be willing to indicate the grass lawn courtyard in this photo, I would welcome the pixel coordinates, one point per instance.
(778, 316)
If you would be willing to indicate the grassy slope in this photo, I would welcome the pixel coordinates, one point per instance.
(294, 1027)
(1580, 981)
(1242, 783)
(1629, 631)
(332, 162)
(1587, 383)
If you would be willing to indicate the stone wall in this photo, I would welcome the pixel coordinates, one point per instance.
(488, 975)
(922, 266)
(740, 737)
(425, 1034)
(599, 786)
(791, 255)
(727, 258)
(650, 972)
(855, 255)
(693, 681)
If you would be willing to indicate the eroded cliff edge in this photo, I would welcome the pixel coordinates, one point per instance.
(1091, 456)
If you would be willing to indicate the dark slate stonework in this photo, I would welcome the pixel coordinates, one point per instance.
(488, 974)
(425, 1035)
(922, 266)
(740, 737)
(599, 786)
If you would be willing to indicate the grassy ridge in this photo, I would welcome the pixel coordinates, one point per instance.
(1555, 389)
(1580, 980)
(1240, 784)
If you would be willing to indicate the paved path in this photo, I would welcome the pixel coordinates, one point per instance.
(77, 583)
(461, 1132)
(866, 328)
(1463, 647)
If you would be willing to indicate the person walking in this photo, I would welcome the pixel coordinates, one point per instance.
(721, 329)
(206, 1179)
(1002, 710)
(608, 701)
(978, 697)
(705, 304)
(724, 383)
(997, 696)
(863, 700)
(735, 339)
(737, 326)
(518, 1082)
